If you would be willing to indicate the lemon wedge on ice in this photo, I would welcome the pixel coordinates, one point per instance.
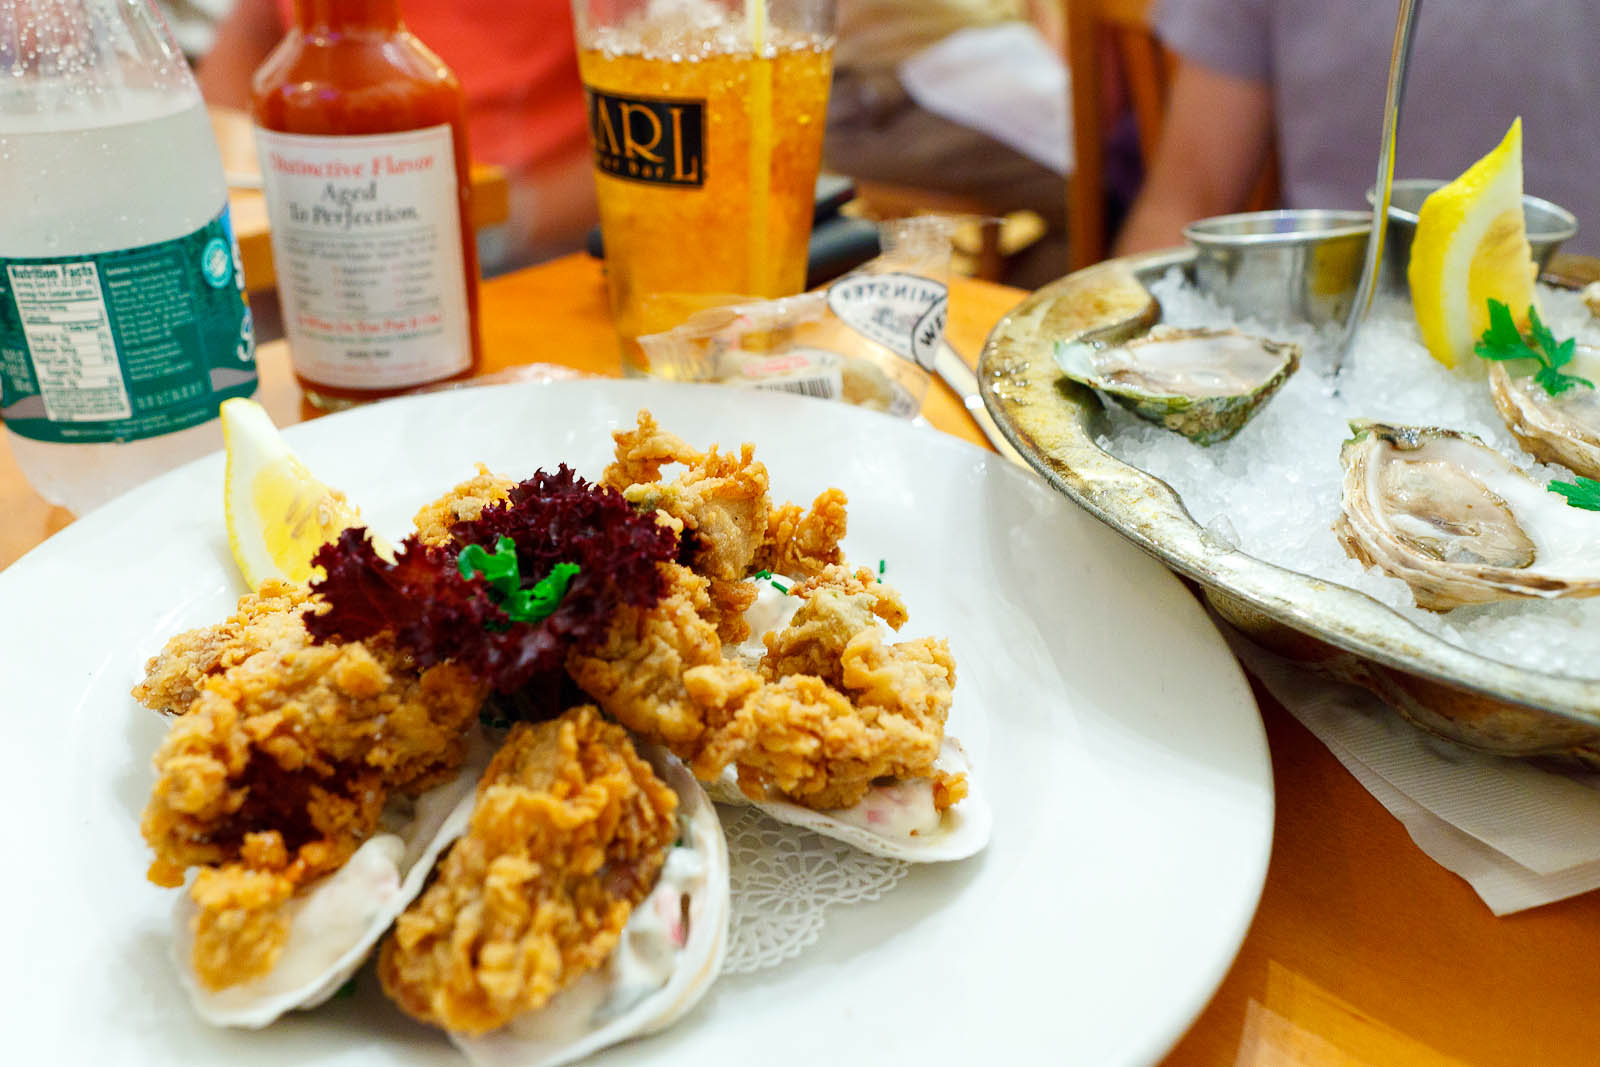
(1471, 246)
(278, 513)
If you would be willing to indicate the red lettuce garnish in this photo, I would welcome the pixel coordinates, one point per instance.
(436, 614)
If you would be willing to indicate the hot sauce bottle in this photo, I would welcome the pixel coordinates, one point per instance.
(362, 137)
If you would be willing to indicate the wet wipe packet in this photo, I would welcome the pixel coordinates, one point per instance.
(868, 338)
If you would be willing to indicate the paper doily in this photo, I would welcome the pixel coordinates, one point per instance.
(783, 880)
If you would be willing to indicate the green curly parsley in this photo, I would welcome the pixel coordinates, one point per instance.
(1503, 341)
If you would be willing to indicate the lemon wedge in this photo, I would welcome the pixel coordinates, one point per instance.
(1471, 246)
(278, 513)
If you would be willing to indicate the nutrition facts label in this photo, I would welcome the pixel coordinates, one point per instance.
(366, 233)
(69, 335)
(124, 344)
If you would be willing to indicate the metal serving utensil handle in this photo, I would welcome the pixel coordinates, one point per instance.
(1399, 60)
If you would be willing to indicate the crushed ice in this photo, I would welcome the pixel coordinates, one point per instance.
(1274, 489)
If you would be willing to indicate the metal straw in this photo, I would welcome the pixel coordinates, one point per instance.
(1404, 30)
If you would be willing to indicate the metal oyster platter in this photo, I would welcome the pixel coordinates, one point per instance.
(1053, 423)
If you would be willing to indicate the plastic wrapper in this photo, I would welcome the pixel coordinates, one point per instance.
(869, 338)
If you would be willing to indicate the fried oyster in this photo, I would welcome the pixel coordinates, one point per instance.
(280, 763)
(569, 833)
(834, 706)
(284, 753)
(266, 621)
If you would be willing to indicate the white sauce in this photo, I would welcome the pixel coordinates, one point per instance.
(898, 809)
(771, 611)
(905, 810)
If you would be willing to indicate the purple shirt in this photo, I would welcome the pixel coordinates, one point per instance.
(1476, 65)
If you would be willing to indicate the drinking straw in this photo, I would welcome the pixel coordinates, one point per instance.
(758, 272)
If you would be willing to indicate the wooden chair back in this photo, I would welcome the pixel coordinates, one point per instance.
(1116, 62)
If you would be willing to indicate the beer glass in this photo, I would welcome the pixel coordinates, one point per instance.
(706, 119)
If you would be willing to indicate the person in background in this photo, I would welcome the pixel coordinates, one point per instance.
(525, 108)
(878, 132)
(194, 23)
(1310, 78)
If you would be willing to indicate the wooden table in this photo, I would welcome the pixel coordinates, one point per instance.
(248, 208)
(1363, 952)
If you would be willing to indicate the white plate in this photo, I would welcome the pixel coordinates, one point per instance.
(1118, 741)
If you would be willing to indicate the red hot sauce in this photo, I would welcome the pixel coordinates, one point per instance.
(363, 143)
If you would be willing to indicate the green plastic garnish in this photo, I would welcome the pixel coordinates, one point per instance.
(765, 575)
(504, 577)
(1583, 493)
(1502, 341)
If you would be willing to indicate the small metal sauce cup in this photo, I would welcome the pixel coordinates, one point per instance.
(1282, 266)
(1548, 225)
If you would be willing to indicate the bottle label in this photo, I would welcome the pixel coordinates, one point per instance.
(366, 236)
(903, 312)
(123, 345)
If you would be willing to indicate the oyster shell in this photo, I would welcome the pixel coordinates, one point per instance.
(649, 981)
(1562, 429)
(1204, 384)
(336, 921)
(895, 819)
(1458, 522)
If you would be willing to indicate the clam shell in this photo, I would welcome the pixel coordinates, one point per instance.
(559, 1032)
(962, 829)
(324, 948)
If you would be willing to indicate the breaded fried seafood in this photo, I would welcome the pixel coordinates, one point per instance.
(594, 651)
(280, 768)
(569, 833)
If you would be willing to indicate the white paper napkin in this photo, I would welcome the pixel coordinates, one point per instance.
(1519, 833)
(1003, 81)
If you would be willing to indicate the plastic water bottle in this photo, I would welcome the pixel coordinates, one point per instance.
(123, 318)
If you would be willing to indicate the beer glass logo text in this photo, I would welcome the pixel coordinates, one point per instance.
(647, 139)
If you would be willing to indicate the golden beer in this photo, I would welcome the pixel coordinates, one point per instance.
(705, 163)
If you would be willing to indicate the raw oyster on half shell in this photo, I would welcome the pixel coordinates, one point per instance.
(1201, 383)
(1458, 522)
(1562, 429)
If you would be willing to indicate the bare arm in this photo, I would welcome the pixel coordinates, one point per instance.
(243, 40)
(1213, 145)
